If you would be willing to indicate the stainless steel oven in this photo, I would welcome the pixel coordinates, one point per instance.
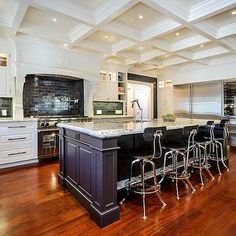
(48, 140)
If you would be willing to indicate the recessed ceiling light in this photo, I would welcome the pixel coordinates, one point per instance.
(106, 37)
(201, 45)
(177, 34)
(54, 19)
(141, 48)
(140, 17)
(166, 56)
(233, 12)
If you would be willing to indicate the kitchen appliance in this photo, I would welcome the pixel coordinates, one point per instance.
(48, 142)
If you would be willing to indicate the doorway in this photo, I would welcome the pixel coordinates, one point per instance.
(144, 93)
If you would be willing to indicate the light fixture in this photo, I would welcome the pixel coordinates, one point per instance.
(140, 17)
(141, 48)
(201, 45)
(177, 34)
(233, 12)
(54, 19)
(106, 37)
(166, 56)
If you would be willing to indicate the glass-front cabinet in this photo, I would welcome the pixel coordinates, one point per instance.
(230, 98)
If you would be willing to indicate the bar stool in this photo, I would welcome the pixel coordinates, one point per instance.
(144, 158)
(177, 146)
(220, 137)
(203, 140)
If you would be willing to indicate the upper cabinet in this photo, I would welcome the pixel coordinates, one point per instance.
(5, 83)
(111, 87)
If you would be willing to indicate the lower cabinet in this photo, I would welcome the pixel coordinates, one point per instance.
(79, 163)
(18, 143)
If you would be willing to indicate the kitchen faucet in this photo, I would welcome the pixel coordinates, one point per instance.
(141, 109)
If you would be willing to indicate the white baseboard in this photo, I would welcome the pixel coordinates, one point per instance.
(19, 163)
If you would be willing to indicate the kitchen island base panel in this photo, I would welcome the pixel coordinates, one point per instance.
(102, 219)
(88, 170)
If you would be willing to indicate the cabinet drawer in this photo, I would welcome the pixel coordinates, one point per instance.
(15, 155)
(4, 139)
(16, 126)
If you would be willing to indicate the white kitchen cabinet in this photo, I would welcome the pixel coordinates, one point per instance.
(18, 143)
(106, 90)
(4, 82)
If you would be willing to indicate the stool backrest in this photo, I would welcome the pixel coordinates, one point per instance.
(189, 133)
(222, 130)
(154, 134)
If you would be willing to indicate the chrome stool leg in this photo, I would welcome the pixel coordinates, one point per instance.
(129, 181)
(176, 176)
(217, 160)
(206, 161)
(142, 163)
(157, 188)
(222, 155)
(200, 164)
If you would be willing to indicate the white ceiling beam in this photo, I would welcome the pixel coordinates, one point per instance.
(174, 61)
(79, 31)
(209, 52)
(130, 55)
(106, 13)
(122, 45)
(159, 29)
(231, 42)
(68, 8)
(43, 32)
(146, 56)
(207, 8)
(226, 30)
(112, 9)
(188, 42)
(123, 30)
(161, 44)
(19, 15)
(171, 8)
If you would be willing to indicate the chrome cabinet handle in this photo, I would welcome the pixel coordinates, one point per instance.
(13, 127)
(16, 153)
(22, 138)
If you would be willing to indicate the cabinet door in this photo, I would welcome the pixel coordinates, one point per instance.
(106, 91)
(3, 81)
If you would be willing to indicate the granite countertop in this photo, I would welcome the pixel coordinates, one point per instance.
(112, 117)
(117, 128)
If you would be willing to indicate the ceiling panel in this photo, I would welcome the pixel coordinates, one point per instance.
(132, 17)
(37, 17)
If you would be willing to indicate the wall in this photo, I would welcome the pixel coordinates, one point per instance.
(219, 71)
(35, 55)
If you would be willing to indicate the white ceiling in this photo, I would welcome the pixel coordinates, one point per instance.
(147, 35)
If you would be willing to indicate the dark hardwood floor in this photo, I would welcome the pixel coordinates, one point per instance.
(32, 203)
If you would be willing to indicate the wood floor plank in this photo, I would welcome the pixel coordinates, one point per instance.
(33, 203)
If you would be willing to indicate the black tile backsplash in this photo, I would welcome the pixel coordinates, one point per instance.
(108, 108)
(48, 95)
(6, 104)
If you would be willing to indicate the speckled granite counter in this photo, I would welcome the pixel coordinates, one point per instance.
(94, 159)
(112, 128)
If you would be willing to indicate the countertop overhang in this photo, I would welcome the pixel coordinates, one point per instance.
(118, 128)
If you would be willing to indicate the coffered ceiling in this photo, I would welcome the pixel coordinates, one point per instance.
(147, 35)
